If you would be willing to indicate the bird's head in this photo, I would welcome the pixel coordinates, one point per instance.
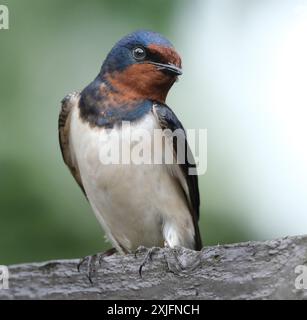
(142, 65)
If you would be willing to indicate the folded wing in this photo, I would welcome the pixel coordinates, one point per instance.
(189, 183)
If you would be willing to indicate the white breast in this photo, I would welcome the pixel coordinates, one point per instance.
(135, 204)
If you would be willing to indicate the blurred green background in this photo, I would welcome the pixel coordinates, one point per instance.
(55, 47)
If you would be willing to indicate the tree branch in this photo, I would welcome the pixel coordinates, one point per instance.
(252, 270)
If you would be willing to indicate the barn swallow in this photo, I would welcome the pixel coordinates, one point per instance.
(137, 205)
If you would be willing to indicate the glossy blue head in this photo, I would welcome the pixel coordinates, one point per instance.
(145, 38)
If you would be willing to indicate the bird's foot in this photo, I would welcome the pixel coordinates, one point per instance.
(91, 266)
(91, 262)
(182, 262)
(178, 260)
(148, 257)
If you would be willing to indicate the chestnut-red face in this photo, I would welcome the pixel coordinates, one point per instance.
(143, 65)
(165, 59)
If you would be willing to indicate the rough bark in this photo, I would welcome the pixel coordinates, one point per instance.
(252, 270)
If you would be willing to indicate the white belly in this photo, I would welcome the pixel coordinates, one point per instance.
(137, 205)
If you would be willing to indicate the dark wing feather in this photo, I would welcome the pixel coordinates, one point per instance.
(168, 120)
(68, 103)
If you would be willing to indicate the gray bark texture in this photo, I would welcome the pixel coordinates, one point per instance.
(252, 270)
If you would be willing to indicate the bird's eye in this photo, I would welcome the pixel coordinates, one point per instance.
(139, 53)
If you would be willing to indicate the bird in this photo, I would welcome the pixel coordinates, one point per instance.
(137, 205)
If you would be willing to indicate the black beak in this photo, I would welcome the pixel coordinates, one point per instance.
(168, 68)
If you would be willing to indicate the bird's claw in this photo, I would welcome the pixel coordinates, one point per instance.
(91, 266)
(148, 257)
(92, 263)
(177, 265)
(175, 261)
